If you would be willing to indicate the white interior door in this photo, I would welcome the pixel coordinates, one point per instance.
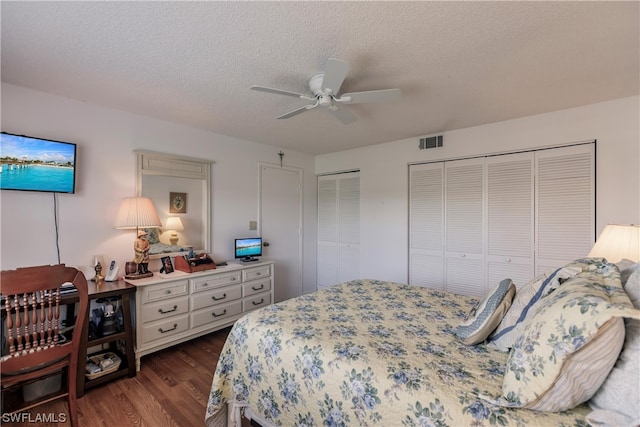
(281, 227)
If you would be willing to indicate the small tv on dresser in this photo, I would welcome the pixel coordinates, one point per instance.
(248, 248)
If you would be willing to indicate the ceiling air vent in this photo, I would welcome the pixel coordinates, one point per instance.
(430, 142)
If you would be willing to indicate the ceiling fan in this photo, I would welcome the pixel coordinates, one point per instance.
(324, 88)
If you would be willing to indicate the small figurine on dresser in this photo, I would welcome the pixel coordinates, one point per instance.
(141, 247)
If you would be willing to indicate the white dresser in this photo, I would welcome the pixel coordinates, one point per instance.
(181, 306)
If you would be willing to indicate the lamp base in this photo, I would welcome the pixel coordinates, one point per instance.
(173, 239)
(136, 276)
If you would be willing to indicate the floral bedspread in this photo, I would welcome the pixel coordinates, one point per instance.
(366, 353)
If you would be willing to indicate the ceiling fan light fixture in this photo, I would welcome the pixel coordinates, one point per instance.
(325, 87)
(324, 100)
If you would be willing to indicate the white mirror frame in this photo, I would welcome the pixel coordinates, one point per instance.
(150, 163)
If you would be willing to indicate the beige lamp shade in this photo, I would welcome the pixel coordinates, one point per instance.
(137, 212)
(618, 242)
(174, 223)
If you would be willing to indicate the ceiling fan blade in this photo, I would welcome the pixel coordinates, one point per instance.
(334, 74)
(280, 92)
(345, 116)
(297, 111)
(370, 96)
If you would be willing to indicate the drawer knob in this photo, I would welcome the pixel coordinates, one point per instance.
(258, 303)
(164, 331)
(258, 273)
(233, 279)
(161, 311)
(221, 314)
(168, 291)
(205, 284)
(258, 289)
(218, 299)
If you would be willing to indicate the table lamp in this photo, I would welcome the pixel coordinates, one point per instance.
(137, 213)
(174, 224)
(618, 242)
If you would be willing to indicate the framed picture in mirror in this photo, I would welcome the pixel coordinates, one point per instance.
(177, 202)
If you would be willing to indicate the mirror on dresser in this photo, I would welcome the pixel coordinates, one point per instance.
(180, 187)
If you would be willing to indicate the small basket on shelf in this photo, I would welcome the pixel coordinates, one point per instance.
(101, 364)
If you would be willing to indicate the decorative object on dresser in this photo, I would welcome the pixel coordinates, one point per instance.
(193, 264)
(137, 213)
(167, 266)
(182, 306)
(173, 225)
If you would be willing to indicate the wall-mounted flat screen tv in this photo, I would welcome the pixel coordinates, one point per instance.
(35, 164)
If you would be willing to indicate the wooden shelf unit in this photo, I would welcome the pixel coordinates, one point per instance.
(127, 367)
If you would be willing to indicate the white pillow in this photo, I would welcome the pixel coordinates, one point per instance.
(627, 268)
(617, 402)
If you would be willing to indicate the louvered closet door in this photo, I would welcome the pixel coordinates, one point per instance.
(338, 258)
(464, 227)
(510, 223)
(426, 225)
(327, 257)
(565, 205)
(348, 227)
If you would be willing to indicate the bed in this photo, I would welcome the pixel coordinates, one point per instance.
(365, 352)
(156, 247)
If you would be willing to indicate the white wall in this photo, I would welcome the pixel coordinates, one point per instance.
(106, 139)
(384, 171)
(106, 165)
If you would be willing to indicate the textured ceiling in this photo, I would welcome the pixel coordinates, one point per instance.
(458, 64)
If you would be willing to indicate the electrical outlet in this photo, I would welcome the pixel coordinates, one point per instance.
(253, 225)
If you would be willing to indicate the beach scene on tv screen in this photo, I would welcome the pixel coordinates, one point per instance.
(248, 247)
(36, 164)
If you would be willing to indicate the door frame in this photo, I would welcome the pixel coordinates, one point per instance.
(299, 171)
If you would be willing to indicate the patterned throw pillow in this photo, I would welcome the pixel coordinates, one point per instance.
(569, 345)
(152, 235)
(529, 298)
(487, 313)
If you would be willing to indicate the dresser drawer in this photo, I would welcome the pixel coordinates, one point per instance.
(215, 297)
(166, 328)
(215, 281)
(256, 301)
(256, 273)
(256, 287)
(164, 291)
(164, 309)
(213, 314)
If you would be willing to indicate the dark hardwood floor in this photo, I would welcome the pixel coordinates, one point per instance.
(171, 389)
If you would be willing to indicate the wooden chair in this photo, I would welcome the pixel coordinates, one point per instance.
(32, 308)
